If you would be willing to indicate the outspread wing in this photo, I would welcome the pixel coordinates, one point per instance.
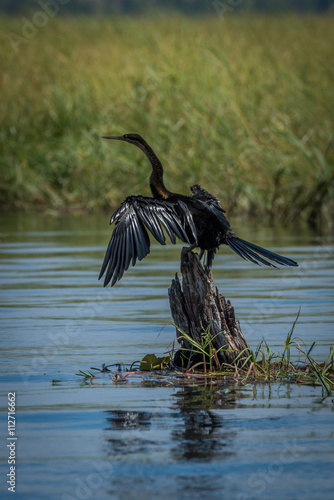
(130, 241)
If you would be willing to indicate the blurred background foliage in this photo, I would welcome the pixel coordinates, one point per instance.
(241, 103)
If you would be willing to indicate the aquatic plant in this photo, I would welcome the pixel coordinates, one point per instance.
(262, 363)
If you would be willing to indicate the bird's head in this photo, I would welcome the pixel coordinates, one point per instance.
(135, 139)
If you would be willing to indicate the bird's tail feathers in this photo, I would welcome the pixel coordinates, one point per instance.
(256, 254)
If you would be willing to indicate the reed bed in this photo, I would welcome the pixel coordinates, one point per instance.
(243, 106)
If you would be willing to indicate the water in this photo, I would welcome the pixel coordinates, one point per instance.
(146, 440)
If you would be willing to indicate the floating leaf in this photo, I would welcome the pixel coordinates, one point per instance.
(151, 362)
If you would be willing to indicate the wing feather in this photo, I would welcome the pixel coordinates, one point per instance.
(130, 240)
(118, 267)
(188, 219)
(152, 224)
(112, 261)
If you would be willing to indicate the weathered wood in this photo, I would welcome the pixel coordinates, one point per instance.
(197, 307)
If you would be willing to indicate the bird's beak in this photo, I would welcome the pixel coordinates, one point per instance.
(119, 138)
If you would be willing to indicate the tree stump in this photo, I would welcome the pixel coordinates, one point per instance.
(198, 309)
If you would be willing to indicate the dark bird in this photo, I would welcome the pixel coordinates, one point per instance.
(198, 220)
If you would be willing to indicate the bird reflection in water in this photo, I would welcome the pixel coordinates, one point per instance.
(174, 451)
(190, 429)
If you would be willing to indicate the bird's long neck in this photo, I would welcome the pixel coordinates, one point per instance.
(157, 185)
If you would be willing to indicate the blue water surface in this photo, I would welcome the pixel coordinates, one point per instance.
(141, 439)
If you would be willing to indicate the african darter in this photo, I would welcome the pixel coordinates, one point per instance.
(198, 220)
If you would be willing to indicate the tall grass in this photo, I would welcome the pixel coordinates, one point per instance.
(243, 106)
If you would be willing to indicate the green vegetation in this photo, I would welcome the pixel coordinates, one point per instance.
(263, 364)
(251, 365)
(259, 365)
(244, 106)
